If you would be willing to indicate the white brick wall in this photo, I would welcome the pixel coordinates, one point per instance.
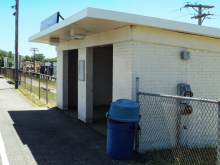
(62, 80)
(85, 94)
(160, 69)
(122, 70)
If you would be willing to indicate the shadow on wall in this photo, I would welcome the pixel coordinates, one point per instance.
(55, 138)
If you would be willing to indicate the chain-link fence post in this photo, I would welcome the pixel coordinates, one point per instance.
(137, 89)
(25, 80)
(31, 82)
(39, 86)
(137, 100)
(218, 135)
(20, 78)
(47, 89)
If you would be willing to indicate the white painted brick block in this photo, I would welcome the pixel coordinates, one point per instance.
(85, 94)
(160, 69)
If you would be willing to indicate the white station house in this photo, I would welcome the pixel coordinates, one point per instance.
(100, 53)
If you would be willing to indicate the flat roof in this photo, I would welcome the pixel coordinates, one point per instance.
(94, 20)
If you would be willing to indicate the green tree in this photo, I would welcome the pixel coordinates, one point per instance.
(26, 58)
(38, 57)
(6, 54)
(50, 59)
(12, 56)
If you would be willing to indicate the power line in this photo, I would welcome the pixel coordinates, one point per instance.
(183, 6)
(175, 10)
(181, 16)
(34, 50)
(200, 9)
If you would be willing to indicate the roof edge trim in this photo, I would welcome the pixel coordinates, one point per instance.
(78, 16)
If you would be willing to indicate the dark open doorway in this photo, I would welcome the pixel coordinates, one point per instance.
(102, 85)
(73, 82)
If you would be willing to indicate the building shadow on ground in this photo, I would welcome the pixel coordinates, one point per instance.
(55, 138)
(10, 82)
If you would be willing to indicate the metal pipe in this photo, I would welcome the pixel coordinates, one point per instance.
(47, 89)
(179, 97)
(31, 82)
(39, 86)
(137, 89)
(218, 150)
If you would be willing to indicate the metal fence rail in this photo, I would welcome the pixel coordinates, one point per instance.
(176, 133)
(41, 85)
(8, 73)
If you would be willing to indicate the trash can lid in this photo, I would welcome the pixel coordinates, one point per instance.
(126, 103)
(122, 120)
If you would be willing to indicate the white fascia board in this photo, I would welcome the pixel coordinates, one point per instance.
(153, 22)
(82, 14)
(131, 19)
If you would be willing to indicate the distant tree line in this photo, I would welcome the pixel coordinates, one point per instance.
(10, 56)
(38, 57)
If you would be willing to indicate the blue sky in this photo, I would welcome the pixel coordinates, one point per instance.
(32, 13)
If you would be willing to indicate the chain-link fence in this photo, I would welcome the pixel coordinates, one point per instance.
(41, 85)
(7, 73)
(1, 71)
(178, 130)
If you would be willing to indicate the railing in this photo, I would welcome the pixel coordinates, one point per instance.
(41, 85)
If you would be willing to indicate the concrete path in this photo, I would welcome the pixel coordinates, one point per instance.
(33, 135)
(17, 153)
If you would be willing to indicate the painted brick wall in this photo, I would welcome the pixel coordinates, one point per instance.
(160, 69)
(102, 76)
(85, 94)
(122, 70)
(62, 80)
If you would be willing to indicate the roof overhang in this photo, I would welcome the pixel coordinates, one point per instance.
(93, 21)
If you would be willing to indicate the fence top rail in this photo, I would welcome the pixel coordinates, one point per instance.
(179, 97)
(36, 73)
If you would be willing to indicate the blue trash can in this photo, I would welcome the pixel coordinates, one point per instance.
(120, 139)
(122, 121)
(124, 110)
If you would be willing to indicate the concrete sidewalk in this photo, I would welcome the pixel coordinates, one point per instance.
(44, 136)
(17, 152)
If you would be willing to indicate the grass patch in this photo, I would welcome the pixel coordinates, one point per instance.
(50, 83)
(181, 156)
(32, 98)
(35, 91)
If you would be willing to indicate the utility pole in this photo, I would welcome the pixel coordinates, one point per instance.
(16, 42)
(34, 50)
(201, 8)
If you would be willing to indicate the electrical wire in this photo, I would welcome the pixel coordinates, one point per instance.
(181, 16)
(175, 10)
(197, 1)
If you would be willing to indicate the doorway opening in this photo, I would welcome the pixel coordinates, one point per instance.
(73, 83)
(102, 86)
